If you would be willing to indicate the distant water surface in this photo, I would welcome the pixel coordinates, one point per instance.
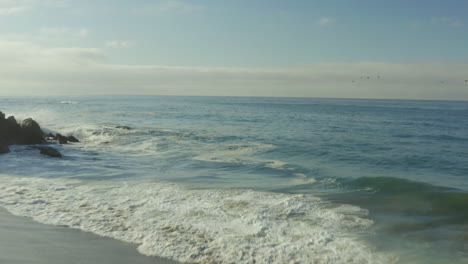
(244, 180)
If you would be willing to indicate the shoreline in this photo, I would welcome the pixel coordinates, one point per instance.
(22, 240)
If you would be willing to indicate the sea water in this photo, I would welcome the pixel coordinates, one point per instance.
(251, 180)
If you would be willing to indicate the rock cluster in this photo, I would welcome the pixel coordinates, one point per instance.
(61, 139)
(49, 151)
(28, 133)
(124, 127)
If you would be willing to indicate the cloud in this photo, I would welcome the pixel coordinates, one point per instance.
(20, 54)
(54, 31)
(118, 44)
(449, 21)
(83, 32)
(8, 11)
(78, 56)
(326, 21)
(16, 7)
(64, 31)
(29, 69)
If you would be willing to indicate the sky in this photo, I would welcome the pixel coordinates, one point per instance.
(347, 49)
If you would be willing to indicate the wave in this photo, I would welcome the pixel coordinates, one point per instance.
(442, 205)
(441, 137)
(199, 226)
(237, 154)
(69, 102)
(202, 147)
(444, 138)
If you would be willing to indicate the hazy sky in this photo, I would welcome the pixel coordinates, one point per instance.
(350, 48)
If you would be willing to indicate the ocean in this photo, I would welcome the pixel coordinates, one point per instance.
(251, 180)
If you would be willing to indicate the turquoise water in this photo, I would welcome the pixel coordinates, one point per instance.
(391, 176)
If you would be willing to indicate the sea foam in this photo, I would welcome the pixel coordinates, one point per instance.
(199, 226)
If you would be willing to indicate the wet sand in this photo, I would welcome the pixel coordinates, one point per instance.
(23, 241)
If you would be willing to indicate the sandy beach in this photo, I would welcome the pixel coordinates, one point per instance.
(24, 241)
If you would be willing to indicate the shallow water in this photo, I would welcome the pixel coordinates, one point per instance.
(269, 180)
(23, 241)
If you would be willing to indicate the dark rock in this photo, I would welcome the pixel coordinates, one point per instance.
(30, 132)
(9, 130)
(13, 128)
(4, 131)
(72, 139)
(49, 137)
(4, 147)
(12, 120)
(61, 139)
(3, 122)
(49, 151)
(124, 127)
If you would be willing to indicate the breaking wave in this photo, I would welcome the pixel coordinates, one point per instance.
(199, 226)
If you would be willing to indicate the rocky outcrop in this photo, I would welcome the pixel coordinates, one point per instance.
(4, 148)
(72, 139)
(3, 135)
(49, 151)
(13, 126)
(63, 139)
(9, 130)
(28, 133)
(123, 127)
